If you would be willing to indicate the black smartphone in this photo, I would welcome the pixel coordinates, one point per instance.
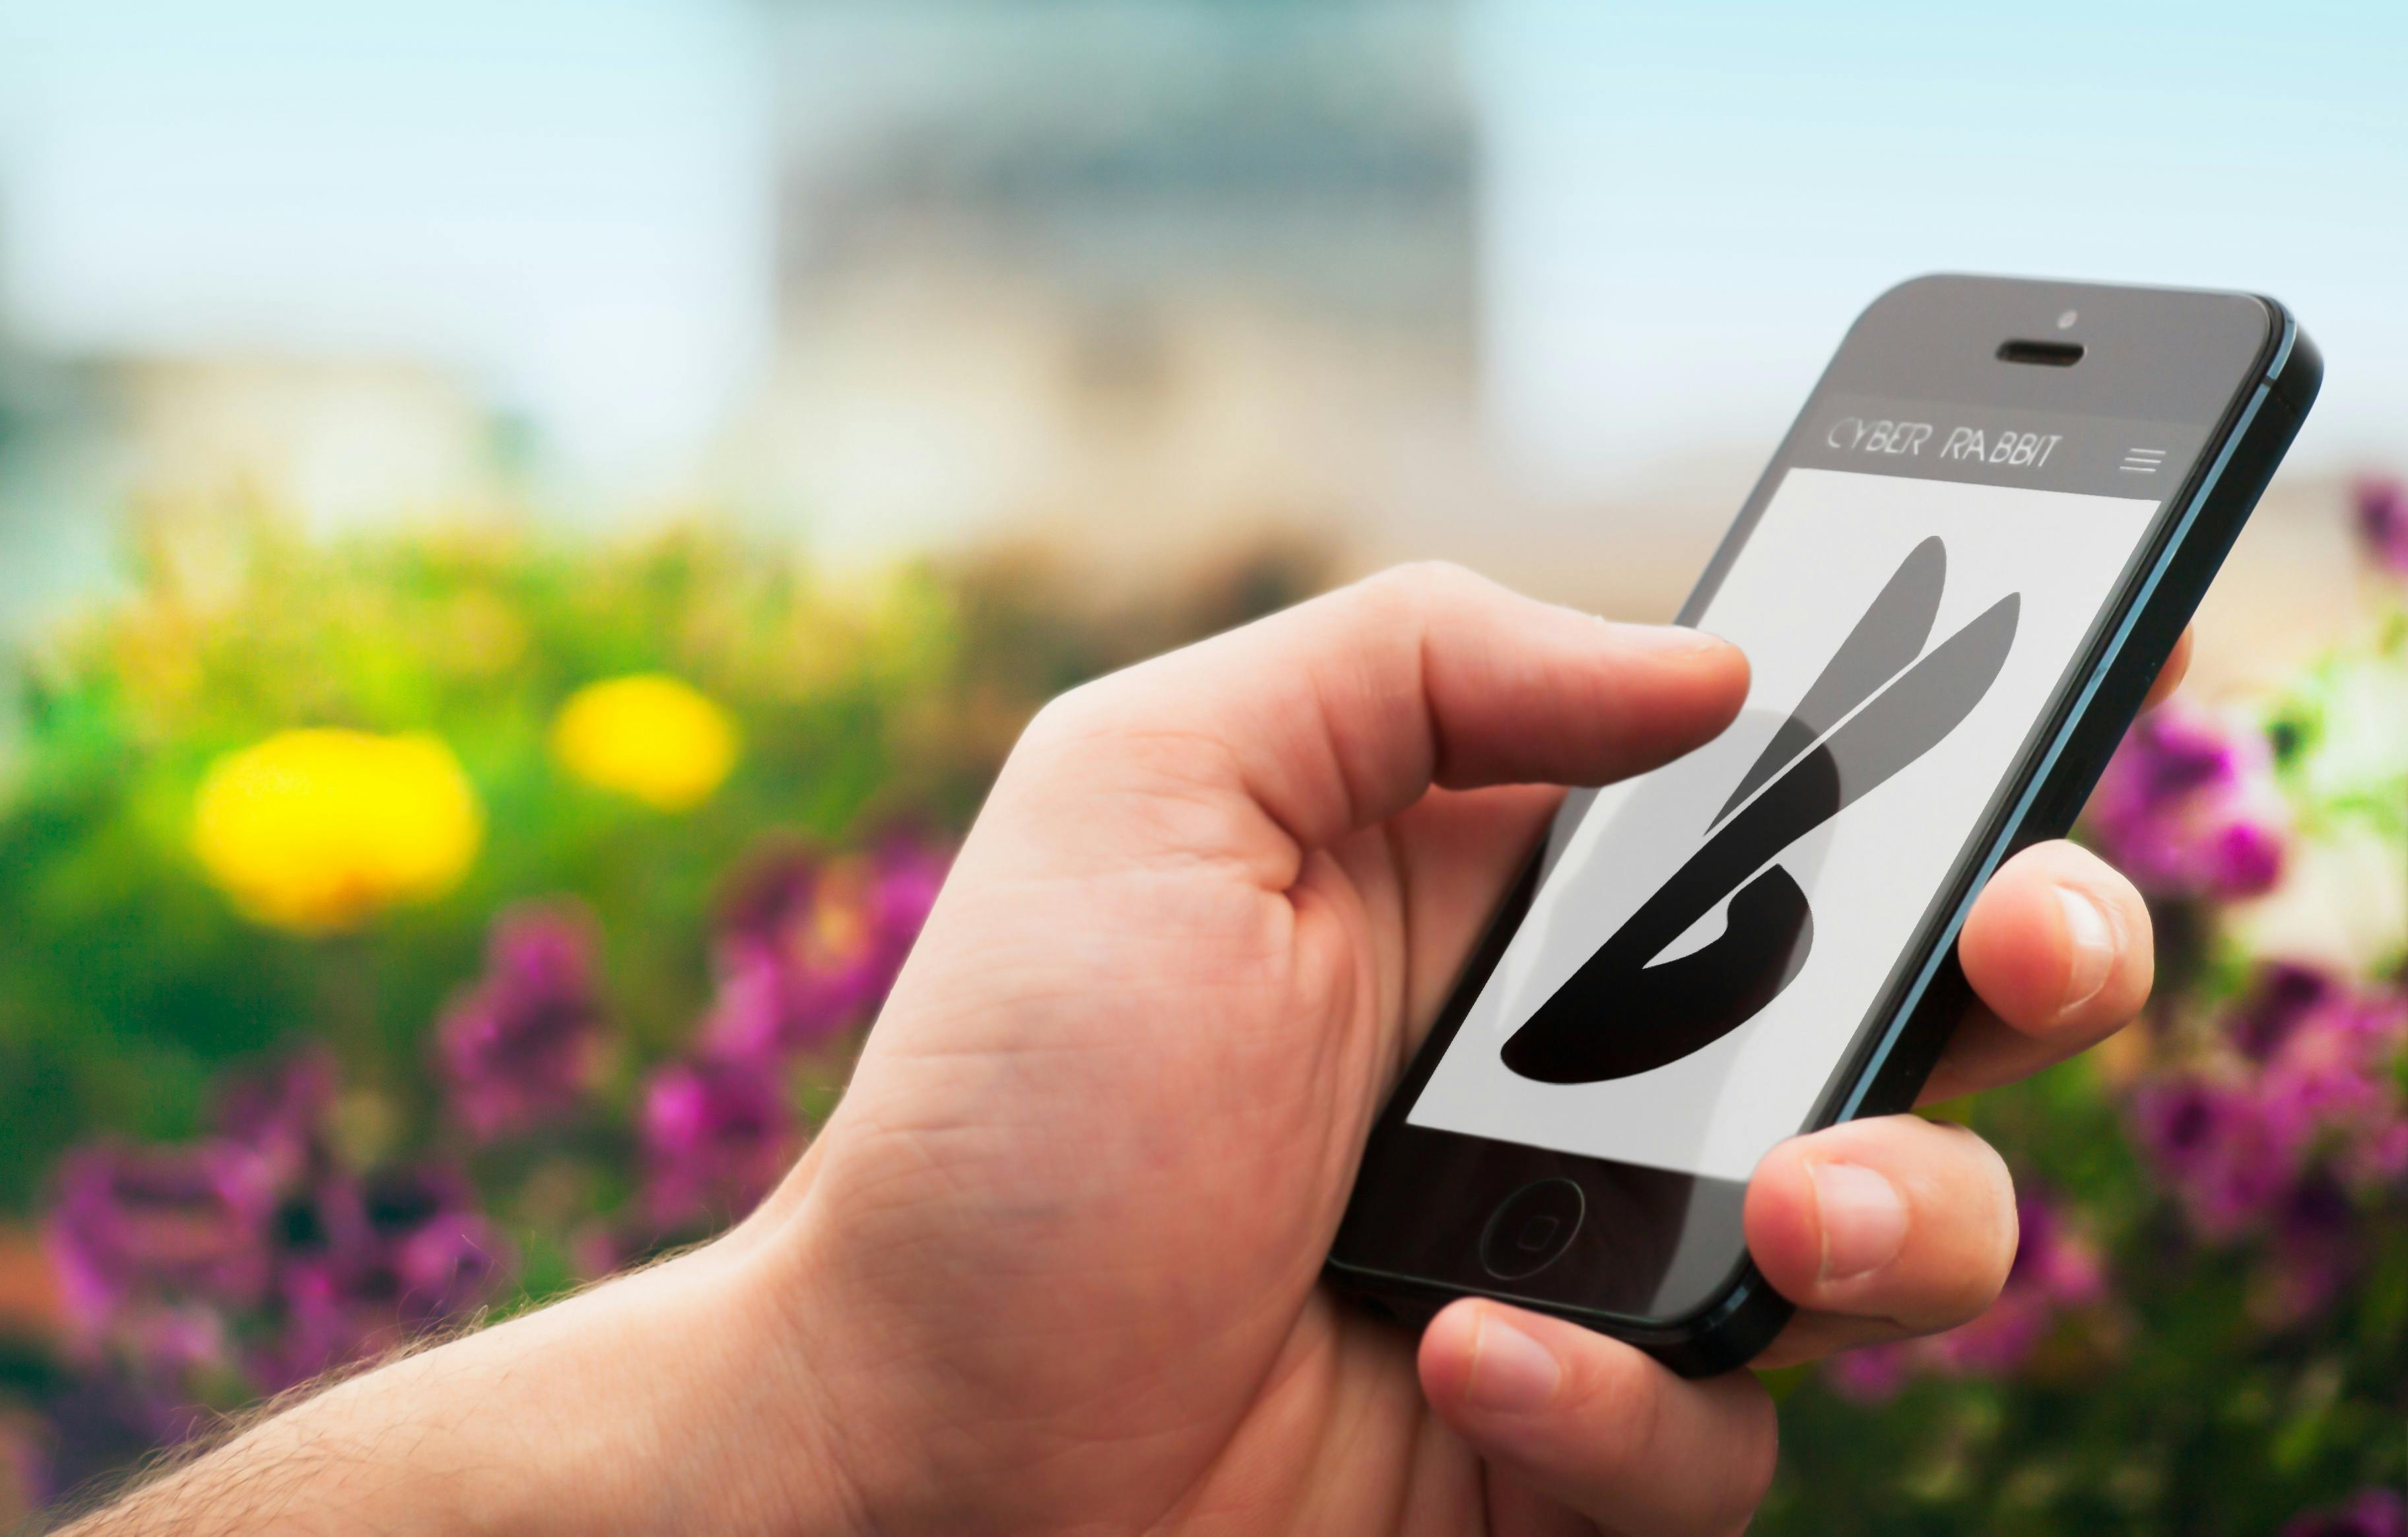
(1954, 584)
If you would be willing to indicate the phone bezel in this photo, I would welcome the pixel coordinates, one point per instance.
(2173, 356)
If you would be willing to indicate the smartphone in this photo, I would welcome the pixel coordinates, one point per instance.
(1954, 585)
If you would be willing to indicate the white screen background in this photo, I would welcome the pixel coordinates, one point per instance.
(1827, 544)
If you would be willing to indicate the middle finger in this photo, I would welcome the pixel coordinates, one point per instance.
(2059, 952)
(1880, 1229)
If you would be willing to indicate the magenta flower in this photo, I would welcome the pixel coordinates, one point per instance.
(2052, 1260)
(2184, 809)
(1876, 1373)
(2285, 994)
(2056, 1270)
(2376, 1512)
(2218, 1150)
(2315, 1251)
(2382, 522)
(102, 1425)
(2053, 1270)
(910, 872)
(2280, 1150)
(279, 1113)
(2226, 1159)
(751, 1019)
(716, 1134)
(134, 1225)
(2334, 1081)
(809, 947)
(369, 1263)
(524, 1043)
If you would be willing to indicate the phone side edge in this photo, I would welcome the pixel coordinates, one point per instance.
(2269, 419)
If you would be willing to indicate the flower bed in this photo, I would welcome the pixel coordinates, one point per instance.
(409, 931)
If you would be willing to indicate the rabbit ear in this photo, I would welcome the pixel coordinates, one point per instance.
(1622, 1012)
(1888, 637)
(1933, 697)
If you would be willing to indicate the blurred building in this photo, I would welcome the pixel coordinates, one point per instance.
(201, 443)
(1145, 274)
(340, 441)
(55, 526)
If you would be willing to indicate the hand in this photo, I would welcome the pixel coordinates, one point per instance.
(1052, 1263)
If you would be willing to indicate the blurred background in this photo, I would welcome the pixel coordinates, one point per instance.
(525, 529)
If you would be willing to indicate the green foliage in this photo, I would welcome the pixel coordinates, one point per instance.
(2180, 1402)
(126, 983)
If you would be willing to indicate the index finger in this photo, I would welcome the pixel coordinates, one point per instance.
(1342, 712)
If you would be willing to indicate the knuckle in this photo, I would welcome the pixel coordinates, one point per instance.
(1416, 587)
(1085, 711)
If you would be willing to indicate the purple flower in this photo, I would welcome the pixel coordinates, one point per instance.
(2382, 522)
(2315, 1250)
(2186, 809)
(1997, 1342)
(910, 872)
(2285, 994)
(2379, 1155)
(2225, 1157)
(101, 1425)
(751, 1019)
(2334, 1079)
(716, 1134)
(2051, 1259)
(279, 1113)
(1873, 1374)
(137, 1224)
(367, 1263)
(808, 945)
(524, 1043)
(2053, 1270)
(2376, 1512)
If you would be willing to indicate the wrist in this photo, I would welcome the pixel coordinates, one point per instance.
(640, 1407)
(649, 1404)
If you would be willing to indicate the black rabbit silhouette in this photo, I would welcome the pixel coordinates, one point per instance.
(1619, 1015)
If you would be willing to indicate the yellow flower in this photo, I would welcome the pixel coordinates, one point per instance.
(317, 830)
(649, 736)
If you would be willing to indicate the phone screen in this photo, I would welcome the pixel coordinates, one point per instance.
(1707, 941)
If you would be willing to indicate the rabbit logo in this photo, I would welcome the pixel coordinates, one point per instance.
(1875, 709)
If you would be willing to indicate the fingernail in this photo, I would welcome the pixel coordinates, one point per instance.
(2091, 936)
(1511, 1372)
(1665, 639)
(1863, 1217)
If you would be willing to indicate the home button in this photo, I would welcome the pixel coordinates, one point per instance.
(1534, 1226)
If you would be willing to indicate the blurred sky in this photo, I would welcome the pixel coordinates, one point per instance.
(570, 200)
(1689, 202)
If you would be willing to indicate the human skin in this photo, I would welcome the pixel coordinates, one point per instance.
(1053, 1266)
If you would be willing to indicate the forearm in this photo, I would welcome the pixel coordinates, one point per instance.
(617, 1411)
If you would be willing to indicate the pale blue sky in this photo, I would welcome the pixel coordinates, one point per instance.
(566, 199)
(1690, 201)
(1686, 202)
